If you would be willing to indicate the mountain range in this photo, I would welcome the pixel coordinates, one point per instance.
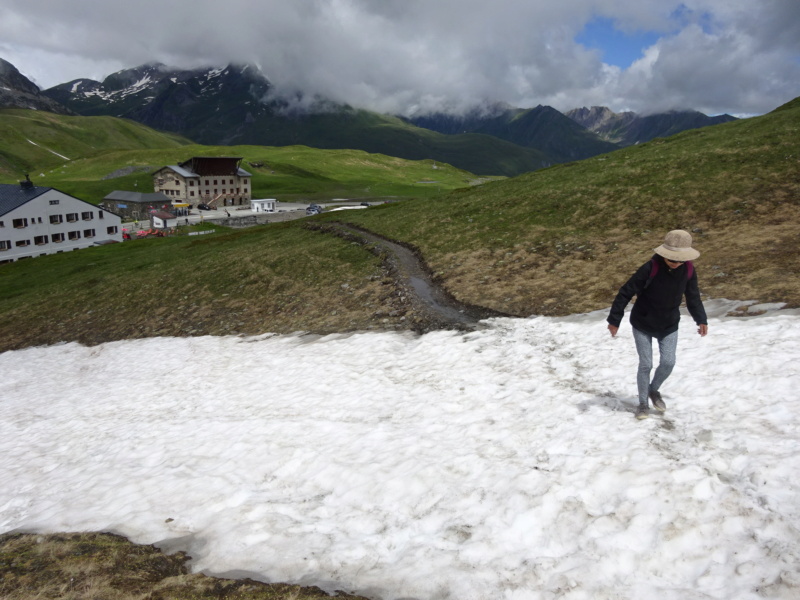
(237, 104)
(628, 128)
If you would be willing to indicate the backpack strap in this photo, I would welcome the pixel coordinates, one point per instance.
(689, 269)
(653, 271)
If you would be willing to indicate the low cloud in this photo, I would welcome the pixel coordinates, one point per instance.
(405, 56)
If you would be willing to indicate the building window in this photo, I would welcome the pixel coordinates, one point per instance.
(87, 216)
(58, 237)
(56, 219)
(2, 224)
(20, 223)
(5, 245)
(100, 214)
(111, 230)
(53, 202)
(191, 183)
(40, 240)
(23, 243)
(191, 193)
(88, 233)
(74, 235)
(72, 217)
(215, 182)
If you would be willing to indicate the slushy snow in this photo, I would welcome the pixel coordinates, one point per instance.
(503, 463)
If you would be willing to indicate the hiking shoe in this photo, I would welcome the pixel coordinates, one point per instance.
(658, 403)
(642, 412)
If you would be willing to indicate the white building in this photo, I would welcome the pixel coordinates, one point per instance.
(263, 205)
(213, 180)
(163, 220)
(35, 221)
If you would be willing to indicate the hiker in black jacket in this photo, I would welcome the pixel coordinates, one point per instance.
(659, 286)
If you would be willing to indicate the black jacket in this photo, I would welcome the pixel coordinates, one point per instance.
(657, 307)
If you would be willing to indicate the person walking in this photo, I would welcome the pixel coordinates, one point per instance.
(659, 286)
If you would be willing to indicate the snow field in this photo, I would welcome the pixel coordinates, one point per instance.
(501, 463)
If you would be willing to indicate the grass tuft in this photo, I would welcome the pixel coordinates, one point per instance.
(103, 566)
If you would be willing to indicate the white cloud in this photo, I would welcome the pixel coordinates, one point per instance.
(714, 55)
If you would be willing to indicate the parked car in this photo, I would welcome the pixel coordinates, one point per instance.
(366, 204)
(203, 207)
(313, 211)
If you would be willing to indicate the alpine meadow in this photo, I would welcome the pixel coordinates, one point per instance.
(550, 242)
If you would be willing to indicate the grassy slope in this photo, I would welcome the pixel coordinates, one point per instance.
(480, 154)
(269, 278)
(34, 141)
(288, 173)
(556, 241)
(98, 146)
(563, 239)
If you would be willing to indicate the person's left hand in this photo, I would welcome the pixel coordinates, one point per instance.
(702, 330)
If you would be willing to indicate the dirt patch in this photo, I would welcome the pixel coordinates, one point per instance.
(128, 171)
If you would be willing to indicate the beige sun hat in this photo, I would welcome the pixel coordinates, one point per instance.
(678, 246)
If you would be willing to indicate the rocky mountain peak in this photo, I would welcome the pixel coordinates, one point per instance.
(628, 128)
(598, 118)
(17, 91)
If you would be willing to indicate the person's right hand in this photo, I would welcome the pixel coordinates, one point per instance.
(613, 330)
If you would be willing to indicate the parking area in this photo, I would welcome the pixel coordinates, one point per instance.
(284, 211)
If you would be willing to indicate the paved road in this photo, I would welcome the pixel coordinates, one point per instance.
(289, 210)
(284, 211)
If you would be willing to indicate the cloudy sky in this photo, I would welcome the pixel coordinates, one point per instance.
(736, 56)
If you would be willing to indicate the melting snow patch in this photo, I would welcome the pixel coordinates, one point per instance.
(500, 463)
(48, 149)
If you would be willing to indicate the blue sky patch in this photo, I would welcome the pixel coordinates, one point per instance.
(617, 48)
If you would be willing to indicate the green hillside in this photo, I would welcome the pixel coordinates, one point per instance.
(379, 134)
(544, 127)
(558, 241)
(35, 142)
(107, 154)
(512, 245)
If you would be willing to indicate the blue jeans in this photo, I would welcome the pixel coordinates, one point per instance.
(667, 346)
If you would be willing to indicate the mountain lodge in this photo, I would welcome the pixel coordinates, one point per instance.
(215, 181)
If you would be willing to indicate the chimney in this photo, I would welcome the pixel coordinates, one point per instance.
(27, 184)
